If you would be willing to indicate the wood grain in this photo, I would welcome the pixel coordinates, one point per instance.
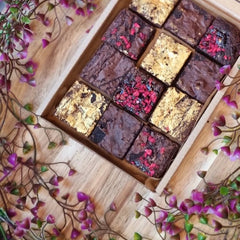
(97, 176)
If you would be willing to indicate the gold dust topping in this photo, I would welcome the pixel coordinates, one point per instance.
(81, 107)
(176, 114)
(155, 11)
(166, 58)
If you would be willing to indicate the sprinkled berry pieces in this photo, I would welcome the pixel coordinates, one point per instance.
(152, 152)
(129, 34)
(221, 42)
(138, 92)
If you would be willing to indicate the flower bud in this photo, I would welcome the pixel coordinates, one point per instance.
(138, 197)
(216, 131)
(147, 211)
(201, 174)
(50, 219)
(172, 201)
(216, 225)
(75, 233)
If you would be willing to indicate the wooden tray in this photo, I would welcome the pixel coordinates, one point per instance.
(91, 45)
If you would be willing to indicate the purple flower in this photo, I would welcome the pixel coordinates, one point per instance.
(90, 207)
(219, 85)
(236, 154)
(225, 69)
(174, 230)
(226, 150)
(54, 180)
(197, 196)
(216, 131)
(191, 236)
(147, 211)
(32, 82)
(113, 207)
(69, 20)
(11, 212)
(233, 204)
(216, 225)
(172, 201)
(233, 104)
(50, 219)
(221, 211)
(75, 233)
(220, 122)
(82, 215)
(152, 203)
(162, 216)
(185, 205)
(24, 78)
(24, 224)
(82, 197)
(23, 54)
(27, 36)
(196, 209)
(45, 42)
(71, 172)
(80, 11)
(4, 57)
(19, 232)
(55, 231)
(226, 99)
(12, 159)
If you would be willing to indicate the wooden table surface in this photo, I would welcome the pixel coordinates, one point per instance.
(96, 176)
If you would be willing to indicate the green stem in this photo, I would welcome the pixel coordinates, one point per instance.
(3, 232)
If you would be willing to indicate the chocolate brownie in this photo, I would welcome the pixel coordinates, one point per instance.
(189, 22)
(152, 152)
(166, 58)
(81, 108)
(221, 42)
(116, 131)
(198, 77)
(106, 69)
(176, 114)
(155, 11)
(138, 92)
(129, 34)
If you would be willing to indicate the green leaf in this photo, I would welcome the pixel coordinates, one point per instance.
(170, 218)
(39, 223)
(224, 191)
(234, 186)
(15, 192)
(226, 139)
(238, 207)
(52, 145)
(188, 226)
(50, 6)
(186, 217)
(137, 214)
(25, 19)
(27, 147)
(44, 169)
(30, 69)
(137, 236)
(238, 178)
(215, 151)
(29, 120)
(13, 10)
(201, 236)
(28, 107)
(53, 238)
(203, 220)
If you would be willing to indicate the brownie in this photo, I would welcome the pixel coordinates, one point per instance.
(221, 42)
(176, 114)
(106, 69)
(116, 131)
(81, 108)
(166, 58)
(152, 152)
(138, 92)
(129, 34)
(189, 22)
(198, 77)
(154, 11)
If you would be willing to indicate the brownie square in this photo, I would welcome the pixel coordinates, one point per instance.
(152, 152)
(116, 131)
(176, 114)
(221, 42)
(81, 108)
(189, 22)
(129, 34)
(154, 11)
(198, 77)
(166, 58)
(106, 69)
(138, 92)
